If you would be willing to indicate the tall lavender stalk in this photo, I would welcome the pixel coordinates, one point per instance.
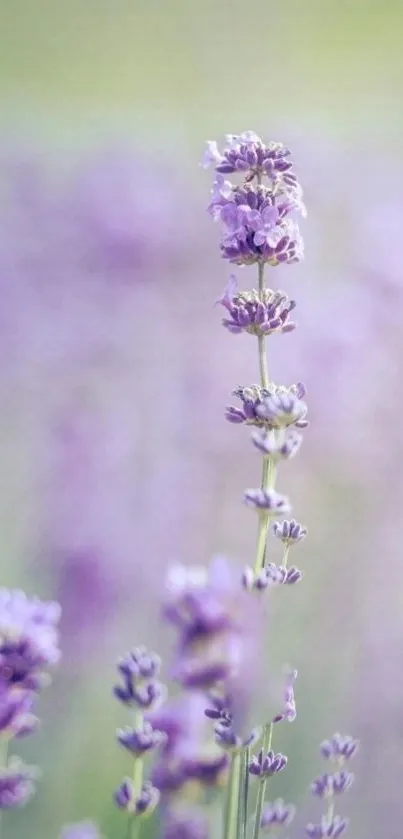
(259, 229)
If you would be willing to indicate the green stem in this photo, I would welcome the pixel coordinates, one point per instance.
(266, 746)
(233, 791)
(243, 794)
(285, 555)
(133, 824)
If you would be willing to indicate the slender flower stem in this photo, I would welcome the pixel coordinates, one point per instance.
(285, 555)
(133, 824)
(243, 794)
(268, 467)
(266, 746)
(233, 791)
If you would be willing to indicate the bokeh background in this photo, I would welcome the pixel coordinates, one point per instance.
(114, 370)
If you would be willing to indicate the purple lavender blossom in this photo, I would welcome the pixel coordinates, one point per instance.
(282, 409)
(289, 532)
(188, 753)
(16, 784)
(264, 765)
(267, 500)
(327, 828)
(82, 830)
(327, 785)
(288, 711)
(339, 748)
(28, 648)
(256, 226)
(279, 444)
(138, 741)
(28, 641)
(270, 575)
(215, 625)
(230, 741)
(140, 687)
(271, 408)
(256, 314)
(139, 805)
(277, 814)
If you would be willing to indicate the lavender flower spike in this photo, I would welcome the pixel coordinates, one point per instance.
(328, 785)
(28, 648)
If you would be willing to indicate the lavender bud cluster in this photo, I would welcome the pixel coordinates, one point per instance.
(29, 647)
(338, 750)
(140, 690)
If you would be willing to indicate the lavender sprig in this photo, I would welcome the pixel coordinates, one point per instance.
(141, 690)
(29, 647)
(338, 751)
(259, 228)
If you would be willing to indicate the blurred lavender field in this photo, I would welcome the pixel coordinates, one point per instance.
(115, 370)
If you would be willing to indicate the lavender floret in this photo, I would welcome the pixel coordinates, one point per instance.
(327, 829)
(289, 532)
(327, 785)
(277, 814)
(256, 314)
(138, 741)
(264, 765)
(17, 784)
(267, 500)
(339, 748)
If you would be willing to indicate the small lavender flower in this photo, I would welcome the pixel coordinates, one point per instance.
(289, 532)
(219, 710)
(270, 575)
(270, 408)
(282, 409)
(138, 741)
(264, 765)
(328, 828)
(230, 741)
(279, 444)
(339, 748)
(82, 830)
(16, 784)
(256, 314)
(140, 687)
(289, 711)
(214, 621)
(327, 785)
(139, 805)
(188, 753)
(28, 641)
(267, 500)
(276, 815)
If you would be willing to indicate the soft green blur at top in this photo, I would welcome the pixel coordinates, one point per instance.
(197, 68)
